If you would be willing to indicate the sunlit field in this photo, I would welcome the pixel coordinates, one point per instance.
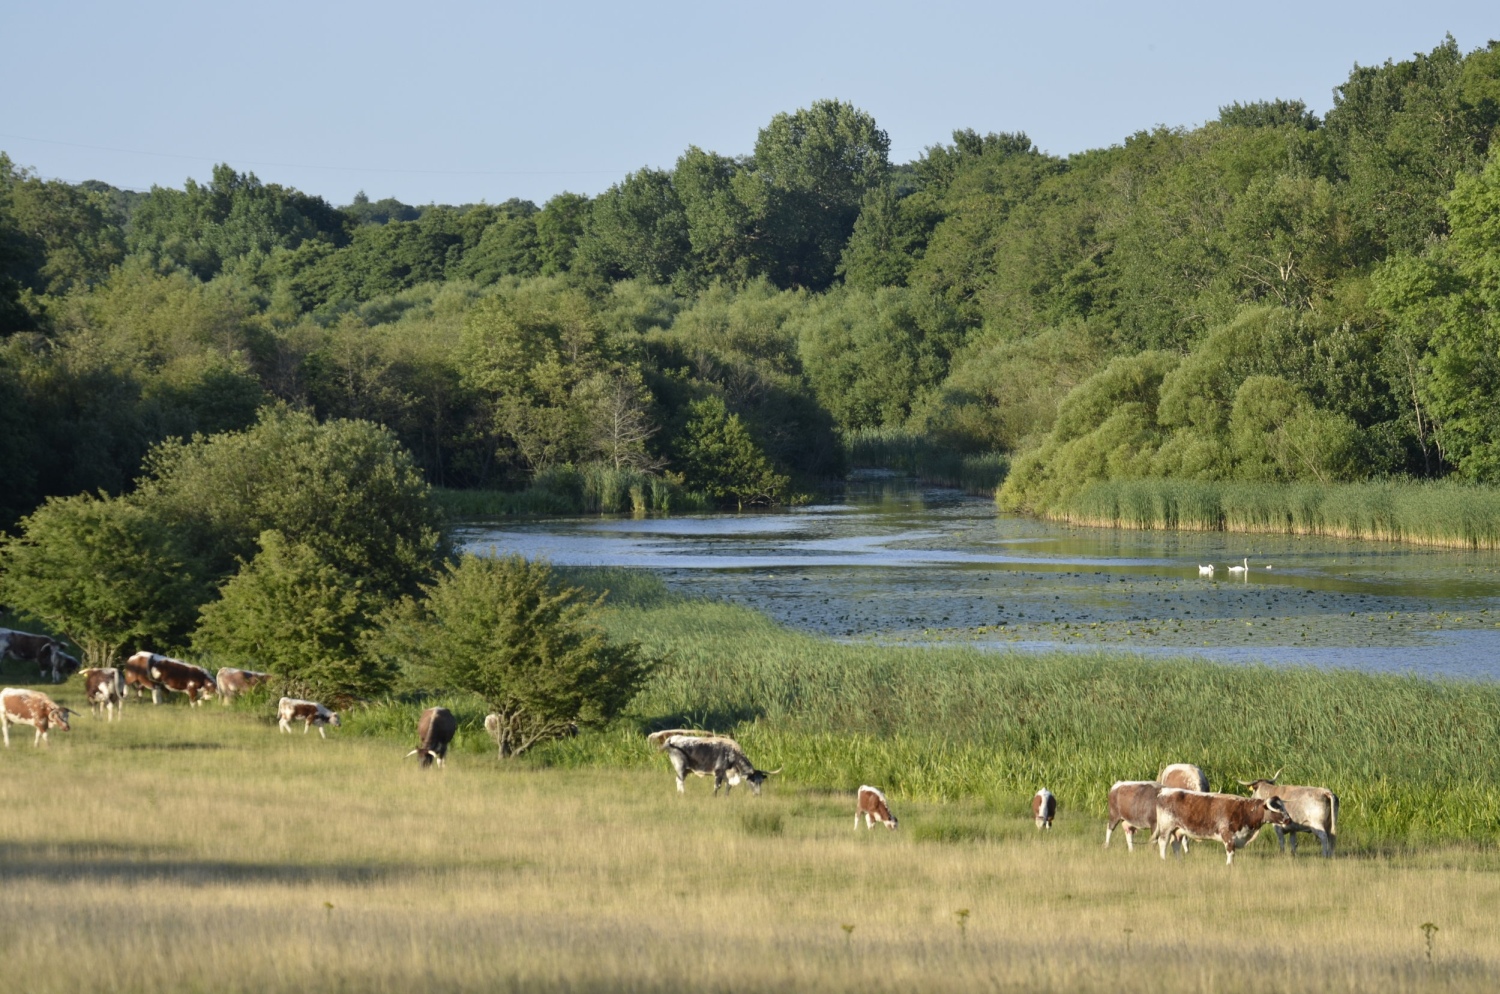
(203, 850)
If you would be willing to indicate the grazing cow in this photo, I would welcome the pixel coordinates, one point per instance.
(233, 682)
(310, 713)
(1043, 808)
(1312, 809)
(30, 707)
(104, 686)
(29, 648)
(166, 673)
(704, 754)
(434, 731)
(138, 676)
(1233, 820)
(1134, 803)
(871, 803)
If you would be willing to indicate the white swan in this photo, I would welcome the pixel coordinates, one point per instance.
(1241, 569)
(1206, 570)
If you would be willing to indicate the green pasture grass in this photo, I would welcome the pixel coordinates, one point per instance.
(1434, 513)
(918, 456)
(199, 849)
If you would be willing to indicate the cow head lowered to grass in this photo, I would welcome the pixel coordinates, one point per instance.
(705, 754)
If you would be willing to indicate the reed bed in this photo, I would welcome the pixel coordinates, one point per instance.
(918, 456)
(592, 488)
(194, 850)
(1432, 513)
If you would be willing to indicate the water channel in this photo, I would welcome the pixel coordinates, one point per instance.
(889, 561)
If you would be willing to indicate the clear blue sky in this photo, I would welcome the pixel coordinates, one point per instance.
(453, 102)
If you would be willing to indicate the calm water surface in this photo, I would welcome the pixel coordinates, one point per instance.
(889, 561)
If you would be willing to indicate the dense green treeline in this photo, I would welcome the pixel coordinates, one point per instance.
(1267, 297)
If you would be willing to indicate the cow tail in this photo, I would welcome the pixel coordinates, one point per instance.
(1333, 815)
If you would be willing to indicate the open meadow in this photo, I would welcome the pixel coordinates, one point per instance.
(191, 850)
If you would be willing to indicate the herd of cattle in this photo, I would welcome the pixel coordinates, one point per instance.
(1175, 807)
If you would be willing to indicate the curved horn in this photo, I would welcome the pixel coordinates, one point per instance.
(1277, 775)
(1244, 783)
(772, 773)
(411, 754)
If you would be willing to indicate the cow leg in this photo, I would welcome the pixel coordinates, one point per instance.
(1109, 829)
(156, 694)
(1326, 843)
(320, 732)
(40, 738)
(1129, 837)
(1292, 838)
(1281, 840)
(5, 729)
(1229, 853)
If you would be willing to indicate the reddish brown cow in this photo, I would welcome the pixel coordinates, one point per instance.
(29, 648)
(233, 682)
(310, 713)
(1043, 808)
(149, 669)
(872, 804)
(435, 730)
(30, 707)
(1233, 820)
(1132, 802)
(104, 686)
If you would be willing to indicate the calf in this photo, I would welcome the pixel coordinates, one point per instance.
(1233, 820)
(1132, 802)
(30, 707)
(1043, 808)
(1312, 809)
(872, 804)
(704, 755)
(29, 648)
(233, 682)
(434, 731)
(104, 686)
(310, 713)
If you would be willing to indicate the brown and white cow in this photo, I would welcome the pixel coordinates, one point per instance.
(310, 713)
(1312, 809)
(104, 686)
(29, 648)
(1184, 775)
(233, 682)
(1233, 820)
(1132, 802)
(434, 731)
(30, 707)
(707, 754)
(158, 672)
(1043, 808)
(872, 804)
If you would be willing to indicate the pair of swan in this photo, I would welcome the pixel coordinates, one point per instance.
(1244, 568)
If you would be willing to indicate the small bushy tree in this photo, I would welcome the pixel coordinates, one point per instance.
(104, 572)
(291, 612)
(506, 630)
(719, 458)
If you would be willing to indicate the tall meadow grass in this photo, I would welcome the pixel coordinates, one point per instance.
(1433, 513)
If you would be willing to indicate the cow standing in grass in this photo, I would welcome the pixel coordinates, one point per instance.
(30, 707)
(233, 682)
(104, 686)
(310, 713)
(435, 730)
(1043, 808)
(706, 754)
(871, 803)
(1229, 818)
(1312, 809)
(1133, 804)
(1187, 777)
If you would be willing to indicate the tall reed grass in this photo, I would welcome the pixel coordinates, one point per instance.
(916, 455)
(592, 488)
(1433, 513)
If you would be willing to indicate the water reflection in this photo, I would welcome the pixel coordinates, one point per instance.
(894, 562)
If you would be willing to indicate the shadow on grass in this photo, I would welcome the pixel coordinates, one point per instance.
(77, 862)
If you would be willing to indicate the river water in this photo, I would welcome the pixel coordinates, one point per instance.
(892, 562)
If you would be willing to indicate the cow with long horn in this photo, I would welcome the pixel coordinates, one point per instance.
(706, 754)
(435, 730)
(1312, 809)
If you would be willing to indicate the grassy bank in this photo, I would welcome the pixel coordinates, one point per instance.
(1430, 513)
(915, 455)
(192, 850)
(589, 489)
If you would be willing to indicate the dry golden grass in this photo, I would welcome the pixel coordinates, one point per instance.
(203, 851)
